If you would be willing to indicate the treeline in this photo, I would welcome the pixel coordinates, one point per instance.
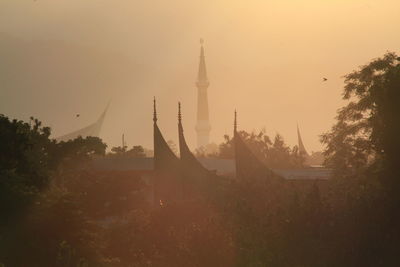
(54, 215)
(274, 154)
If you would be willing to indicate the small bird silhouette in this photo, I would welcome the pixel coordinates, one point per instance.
(324, 79)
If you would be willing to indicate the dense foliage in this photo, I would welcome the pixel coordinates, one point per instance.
(275, 154)
(39, 218)
(134, 152)
(366, 127)
(362, 147)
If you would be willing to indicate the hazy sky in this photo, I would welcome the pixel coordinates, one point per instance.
(266, 58)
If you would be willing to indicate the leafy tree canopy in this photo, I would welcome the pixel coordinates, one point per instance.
(367, 128)
(275, 154)
(29, 159)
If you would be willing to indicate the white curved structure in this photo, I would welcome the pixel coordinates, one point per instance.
(90, 130)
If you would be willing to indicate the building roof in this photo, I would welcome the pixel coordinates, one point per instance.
(245, 165)
(90, 130)
(189, 162)
(302, 149)
(202, 74)
(164, 158)
(248, 166)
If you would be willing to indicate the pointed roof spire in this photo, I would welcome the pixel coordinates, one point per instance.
(90, 130)
(247, 164)
(103, 115)
(202, 75)
(167, 177)
(194, 173)
(179, 113)
(163, 155)
(180, 127)
(302, 149)
(235, 124)
(106, 109)
(154, 110)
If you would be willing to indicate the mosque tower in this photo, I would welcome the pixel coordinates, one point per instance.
(203, 126)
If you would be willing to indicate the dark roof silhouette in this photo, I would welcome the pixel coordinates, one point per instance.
(168, 181)
(188, 160)
(248, 166)
(302, 149)
(164, 158)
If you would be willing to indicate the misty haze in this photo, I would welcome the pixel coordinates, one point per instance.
(199, 133)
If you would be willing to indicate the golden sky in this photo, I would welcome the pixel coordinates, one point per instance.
(266, 58)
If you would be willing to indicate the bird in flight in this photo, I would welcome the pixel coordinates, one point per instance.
(324, 79)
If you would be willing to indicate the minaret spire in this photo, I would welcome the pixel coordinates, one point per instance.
(203, 126)
(179, 113)
(202, 75)
(235, 124)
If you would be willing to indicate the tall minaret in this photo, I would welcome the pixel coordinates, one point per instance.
(203, 126)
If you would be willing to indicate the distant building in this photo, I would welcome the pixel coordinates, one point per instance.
(164, 160)
(172, 179)
(315, 159)
(302, 149)
(243, 166)
(90, 130)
